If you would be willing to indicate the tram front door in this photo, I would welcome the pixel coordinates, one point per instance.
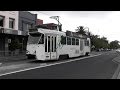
(50, 47)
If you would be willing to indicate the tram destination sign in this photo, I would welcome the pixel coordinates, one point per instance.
(33, 29)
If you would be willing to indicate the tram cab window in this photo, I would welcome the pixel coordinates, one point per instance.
(34, 38)
(41, 41)
(68, 41)
(63, 40)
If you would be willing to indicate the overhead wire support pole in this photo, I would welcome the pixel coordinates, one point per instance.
(56, 18)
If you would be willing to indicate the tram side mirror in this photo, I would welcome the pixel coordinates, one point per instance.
(61, 41)
(41, 40)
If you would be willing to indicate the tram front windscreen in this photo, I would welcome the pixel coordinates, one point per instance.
(34, 38)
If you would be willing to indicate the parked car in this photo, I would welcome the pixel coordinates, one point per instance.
(118, 50)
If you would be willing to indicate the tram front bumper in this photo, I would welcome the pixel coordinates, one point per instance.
(30, 56)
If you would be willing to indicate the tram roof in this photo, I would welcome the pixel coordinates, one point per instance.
(55, 32)
(48, 31)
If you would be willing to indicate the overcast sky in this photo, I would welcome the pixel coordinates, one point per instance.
(103, 23)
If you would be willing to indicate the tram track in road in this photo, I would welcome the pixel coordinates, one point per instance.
(96, 66)
(37, 62)
(40, 64)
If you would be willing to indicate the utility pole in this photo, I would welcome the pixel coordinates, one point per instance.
(56, 18)
(88, 30)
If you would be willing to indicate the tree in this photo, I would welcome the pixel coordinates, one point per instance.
(104, 43)
(81, 30)
(114, 44)
(95, 41)
(98, 42)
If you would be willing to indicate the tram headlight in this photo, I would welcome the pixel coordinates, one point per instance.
(35, 52)
(27, 51)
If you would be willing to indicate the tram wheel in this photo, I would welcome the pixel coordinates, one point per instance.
(30, 56)
(87, 53)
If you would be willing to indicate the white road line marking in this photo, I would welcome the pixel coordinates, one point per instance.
(49, 65)
(116, 74)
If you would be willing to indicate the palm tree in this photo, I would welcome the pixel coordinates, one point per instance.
(81, 30)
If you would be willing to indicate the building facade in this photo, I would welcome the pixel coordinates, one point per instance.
(14, 27)
(39, 22)
(9, 19)
(8, 30)
(26, 20)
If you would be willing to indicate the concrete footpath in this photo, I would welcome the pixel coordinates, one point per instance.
(16, 58)
(12, 58)
(24, 57)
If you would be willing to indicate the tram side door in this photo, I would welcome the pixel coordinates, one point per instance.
(82, 46)
(53, 48)
(50, 47)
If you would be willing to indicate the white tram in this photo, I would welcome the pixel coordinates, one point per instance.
(45, 44)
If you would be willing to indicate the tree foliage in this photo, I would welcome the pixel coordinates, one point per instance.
(98, 42)
(81, 30)
(114, 44)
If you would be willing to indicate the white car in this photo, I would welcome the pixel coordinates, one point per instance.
(118, 50)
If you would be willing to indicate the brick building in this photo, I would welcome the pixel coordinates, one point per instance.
(39, 22)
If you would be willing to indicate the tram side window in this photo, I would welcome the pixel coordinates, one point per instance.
(63, 40)
(41, 39)
(77, 41)
(46, 44)
(55, 45)
(52, 44)
(86, 43)
(68, 41)
(73, 41)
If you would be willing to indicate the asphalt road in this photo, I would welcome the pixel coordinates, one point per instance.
(99, 67)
